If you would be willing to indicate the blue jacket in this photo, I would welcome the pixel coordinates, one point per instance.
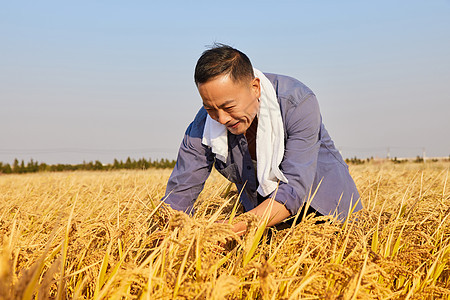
(310, 159)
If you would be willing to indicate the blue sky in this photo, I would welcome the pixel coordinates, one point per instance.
(92, 80)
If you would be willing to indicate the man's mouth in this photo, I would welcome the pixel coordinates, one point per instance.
(234, 125)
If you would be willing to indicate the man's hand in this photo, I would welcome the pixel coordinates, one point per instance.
(276, 211)
(240, 228)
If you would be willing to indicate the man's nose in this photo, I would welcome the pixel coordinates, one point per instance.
(223, 117)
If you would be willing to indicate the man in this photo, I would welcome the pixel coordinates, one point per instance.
(264, 133)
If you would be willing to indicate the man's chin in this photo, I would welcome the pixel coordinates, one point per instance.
(235, 131)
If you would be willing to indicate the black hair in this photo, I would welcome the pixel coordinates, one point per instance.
(222, 59)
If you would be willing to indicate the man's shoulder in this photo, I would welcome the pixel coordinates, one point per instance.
(197, 126)
(289, 88)
(200, 117)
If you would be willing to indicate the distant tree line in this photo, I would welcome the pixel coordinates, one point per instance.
(142, 164)
(357, 161)
(34, 166)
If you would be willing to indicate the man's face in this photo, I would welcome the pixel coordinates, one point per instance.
(233, 104)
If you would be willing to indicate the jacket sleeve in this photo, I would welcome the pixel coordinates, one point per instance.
(194, 164)
(302, 123)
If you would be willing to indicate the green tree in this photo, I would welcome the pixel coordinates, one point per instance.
(7, 169)
(15, 166)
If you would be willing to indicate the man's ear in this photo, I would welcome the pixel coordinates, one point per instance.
(256, 87)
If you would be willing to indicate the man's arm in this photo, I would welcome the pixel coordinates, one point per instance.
(276, 211)
(299, 163)
(193, 167)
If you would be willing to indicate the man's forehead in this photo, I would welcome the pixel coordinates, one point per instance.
(220, 105)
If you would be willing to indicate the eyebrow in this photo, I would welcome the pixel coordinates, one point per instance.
(222, 105)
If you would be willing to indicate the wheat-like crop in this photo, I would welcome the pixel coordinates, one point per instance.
(106, 235)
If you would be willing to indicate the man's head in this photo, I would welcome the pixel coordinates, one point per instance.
(226, 82)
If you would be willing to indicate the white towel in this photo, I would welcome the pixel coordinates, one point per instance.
(269, 138)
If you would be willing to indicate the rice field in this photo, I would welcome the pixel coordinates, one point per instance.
(106, 235)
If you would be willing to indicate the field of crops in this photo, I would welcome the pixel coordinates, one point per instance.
(104, 235)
